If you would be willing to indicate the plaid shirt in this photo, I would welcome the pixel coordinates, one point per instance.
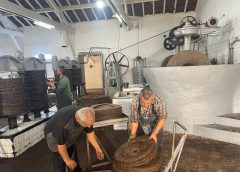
(159, 109)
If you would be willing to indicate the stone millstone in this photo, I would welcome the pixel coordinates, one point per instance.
(189, 58)
(107, 111)
(90, 100)
(139, 154)
(166, 60)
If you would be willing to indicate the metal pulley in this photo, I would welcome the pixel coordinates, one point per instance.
(168, 44)
(122, 63)
(176, 40)
(177, 35)
(189, 19)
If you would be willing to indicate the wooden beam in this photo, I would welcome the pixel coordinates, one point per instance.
(11, 32)
(175, 6)
(186, 4)
(153, 7)
(143, 8)
(164, 6)
(133, 9)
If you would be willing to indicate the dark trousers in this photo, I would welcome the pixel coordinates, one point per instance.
(59, 164)
(140, 132)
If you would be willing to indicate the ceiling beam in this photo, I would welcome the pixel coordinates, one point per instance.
(175, 6)
(83, 6)
(117, 8)
(63, 20)
(153, 7)
(79, 20)
(104, 14)
(93, 11)
(143, 9)
(40, 5)
(11, 32)
(186, 4)
(164, 6)
(85, 15)
(133, 9)
(16, 9)
(27, 1)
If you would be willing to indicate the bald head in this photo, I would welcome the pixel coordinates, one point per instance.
(85, 117)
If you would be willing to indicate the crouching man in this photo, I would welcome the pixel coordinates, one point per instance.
(148, 116)
(62, 131)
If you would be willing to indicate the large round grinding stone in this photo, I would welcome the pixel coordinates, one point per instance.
(139, 154)
(189, 58)
(166, 60)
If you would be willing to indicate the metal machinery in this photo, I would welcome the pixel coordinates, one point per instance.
(138, 77)
(188, 31)
(116, 65)
(35, 84)
(12, 94)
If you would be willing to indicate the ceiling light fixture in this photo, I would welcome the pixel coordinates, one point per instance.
(100, 4)
(39, 23)
(118, 17)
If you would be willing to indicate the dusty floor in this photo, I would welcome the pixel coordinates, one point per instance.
(200, 155)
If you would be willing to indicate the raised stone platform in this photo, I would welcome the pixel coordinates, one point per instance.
(14, 142)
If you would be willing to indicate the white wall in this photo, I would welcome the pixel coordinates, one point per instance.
(7, 46)
(39, 40)
(218, 45)
(109, 34)
(230, 23)
(196, 95)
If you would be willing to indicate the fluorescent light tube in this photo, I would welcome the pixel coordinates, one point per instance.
(119, 18)
(39, 23)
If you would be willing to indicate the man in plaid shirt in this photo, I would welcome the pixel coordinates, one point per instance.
(148, 116)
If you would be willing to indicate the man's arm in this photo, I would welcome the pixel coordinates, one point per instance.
(134, 127)
(60, 87)
(92, 139)
(134, 119)
(157, 128)
(62, 149)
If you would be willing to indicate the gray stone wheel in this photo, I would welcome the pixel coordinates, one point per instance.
(189, 58)
(166, 60)
(135, 150)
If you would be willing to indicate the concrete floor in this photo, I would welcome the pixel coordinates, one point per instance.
(200, 155)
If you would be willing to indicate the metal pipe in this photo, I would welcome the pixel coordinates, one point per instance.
(231, 51)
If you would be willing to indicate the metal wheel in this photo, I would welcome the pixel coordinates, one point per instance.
(120, 59)
(174, 39)
(168, 44)
(189, 19)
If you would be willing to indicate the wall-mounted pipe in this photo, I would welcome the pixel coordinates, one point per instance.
(231, 50)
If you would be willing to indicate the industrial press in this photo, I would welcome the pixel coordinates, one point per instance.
(24, 101)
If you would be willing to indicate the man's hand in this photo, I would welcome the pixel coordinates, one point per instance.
(99, 154)
(131, 137)
(154, 137)
(71, 164)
